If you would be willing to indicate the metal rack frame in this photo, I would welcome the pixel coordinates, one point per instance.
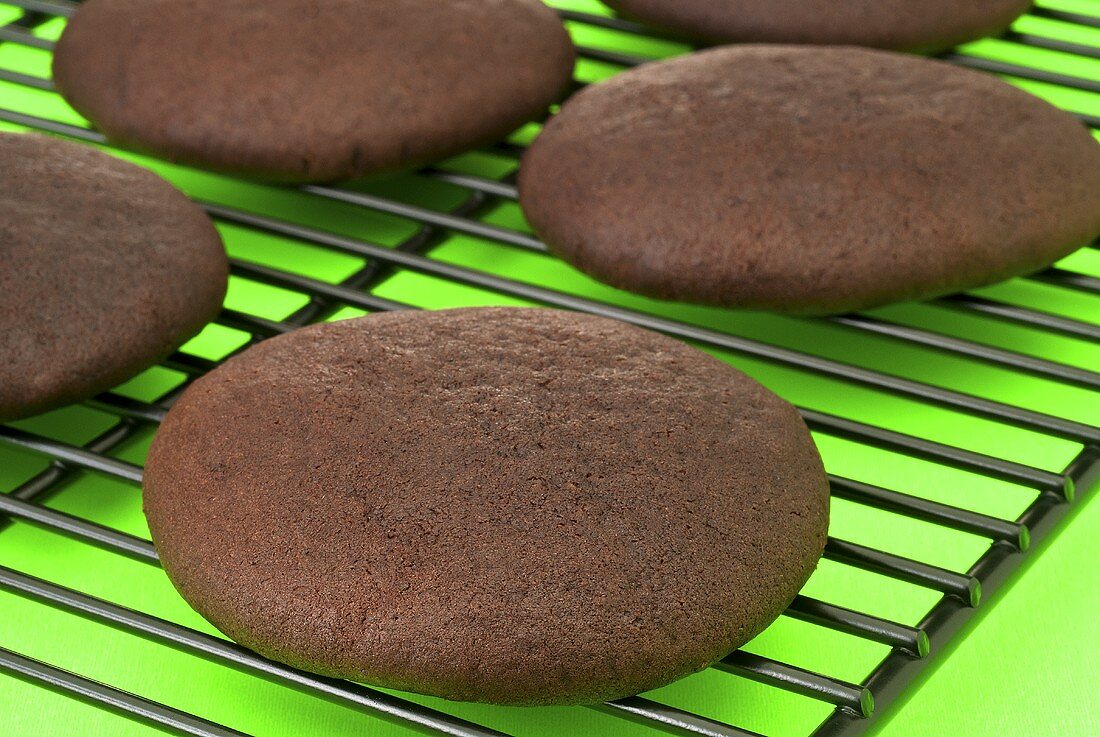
(855, 704)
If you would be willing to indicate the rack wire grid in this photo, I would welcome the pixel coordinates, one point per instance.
(956, 433)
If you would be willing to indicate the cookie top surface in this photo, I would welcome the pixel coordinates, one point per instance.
(809, 179)
(311, 90)
(505, 505)
(889, 24)
(105, 268)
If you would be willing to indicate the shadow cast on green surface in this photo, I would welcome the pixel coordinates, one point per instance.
(264, 708)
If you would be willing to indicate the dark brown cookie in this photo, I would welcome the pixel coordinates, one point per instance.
(311, 90)
(922, 25)
(809, 179)
(508, 505)
(105, 268)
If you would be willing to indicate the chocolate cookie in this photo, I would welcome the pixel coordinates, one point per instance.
(926, 25)
(809, 179)
(311, 90)
(520, 506)
(105, 268)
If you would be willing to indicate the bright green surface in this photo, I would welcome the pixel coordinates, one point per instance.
(1038, 627)
(1031, 665)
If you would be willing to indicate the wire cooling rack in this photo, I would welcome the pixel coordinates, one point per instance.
(477, 217)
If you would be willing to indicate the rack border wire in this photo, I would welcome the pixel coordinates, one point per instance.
(914, 648)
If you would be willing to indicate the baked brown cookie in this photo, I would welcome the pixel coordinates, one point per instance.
(809, 179)
(927, 25)
(521, 506)
(311, 90)
(105, 268)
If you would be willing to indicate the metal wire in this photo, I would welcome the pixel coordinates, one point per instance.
(99, 694)
(855, 703)
(762, 669)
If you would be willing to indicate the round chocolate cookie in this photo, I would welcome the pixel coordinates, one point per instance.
(519, 506)
(105, 268)
(924, 25)
(311, 90)
(809, 179)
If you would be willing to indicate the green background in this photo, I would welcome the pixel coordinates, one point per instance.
(1031, 664)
